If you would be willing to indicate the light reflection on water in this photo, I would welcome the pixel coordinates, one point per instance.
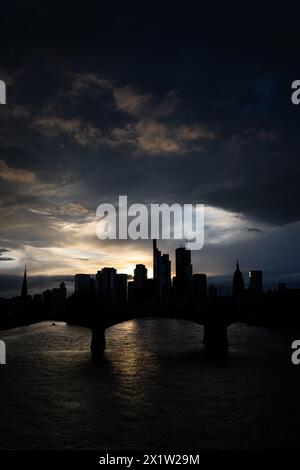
(155, 388)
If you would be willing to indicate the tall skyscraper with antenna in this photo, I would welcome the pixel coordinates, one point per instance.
(184, 273)
(161, 274)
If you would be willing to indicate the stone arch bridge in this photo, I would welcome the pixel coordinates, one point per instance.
(215, 325)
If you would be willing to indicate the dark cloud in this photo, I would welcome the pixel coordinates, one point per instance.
(254, 229)
(5, 258)
(164, 104)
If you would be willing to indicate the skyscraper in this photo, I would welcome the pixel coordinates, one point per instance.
(82, 283)
(161, 274)
(165, 277)
(184, 272)
(238, 287)
(156, 271)
(106, 284)
(59, 295)
(139, 286)
(140, 276)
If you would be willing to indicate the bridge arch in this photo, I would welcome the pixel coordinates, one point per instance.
(214, 336)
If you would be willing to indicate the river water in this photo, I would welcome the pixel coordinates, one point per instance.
(156, 388)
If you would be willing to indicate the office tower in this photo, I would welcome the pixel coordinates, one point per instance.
(121, 287)
(139, 292)
(59, 295)
(106, 284)
(199, 286)
(165, 277)
(156, 271)
(161, 274)
(140, 276)
(82, 284)
(24, 292)
(183, 273)
(255, 282)
(238, 287)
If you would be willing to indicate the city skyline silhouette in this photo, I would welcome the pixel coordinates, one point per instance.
(163, 280)
(127, 131)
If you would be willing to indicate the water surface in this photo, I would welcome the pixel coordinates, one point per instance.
(156, 388)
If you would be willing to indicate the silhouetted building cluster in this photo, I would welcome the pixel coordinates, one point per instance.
(108, 286)
(255, 284)
(186, 291)
(52, 298)
(111, 286)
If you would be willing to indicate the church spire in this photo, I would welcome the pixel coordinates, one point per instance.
(238, 282)
(24, 286)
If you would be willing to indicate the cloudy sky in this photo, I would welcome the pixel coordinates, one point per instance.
(172, 104)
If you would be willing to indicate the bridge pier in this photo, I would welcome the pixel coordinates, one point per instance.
(215, 337)
(98, 341)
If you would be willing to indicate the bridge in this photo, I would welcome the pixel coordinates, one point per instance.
(215, 324)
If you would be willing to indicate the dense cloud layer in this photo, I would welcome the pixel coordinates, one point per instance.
(167, 105)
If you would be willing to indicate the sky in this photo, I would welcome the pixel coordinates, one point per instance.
(165, 104)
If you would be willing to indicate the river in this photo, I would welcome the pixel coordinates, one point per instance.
(156, 388)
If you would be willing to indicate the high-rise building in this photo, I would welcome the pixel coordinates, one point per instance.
(161, 274)
(82, 284)
(140, 276)
(255, 282)
(165, 277)
(110, 286)
(156, 271)
(199, 286)
(238, 287)
(59, 295)
(139, 286)
(106, 284)
(184, 273)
